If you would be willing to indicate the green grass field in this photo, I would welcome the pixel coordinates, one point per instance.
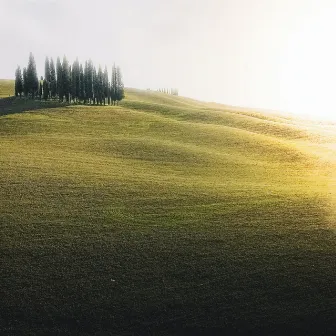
(165, 216)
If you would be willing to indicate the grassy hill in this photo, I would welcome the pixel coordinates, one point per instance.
(162, 216)
(6, 88)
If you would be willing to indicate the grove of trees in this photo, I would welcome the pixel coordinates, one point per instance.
(173, 92)
(77, 83)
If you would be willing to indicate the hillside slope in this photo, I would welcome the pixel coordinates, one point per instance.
(165, 215)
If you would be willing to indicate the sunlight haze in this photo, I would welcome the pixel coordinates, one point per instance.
(270, 54)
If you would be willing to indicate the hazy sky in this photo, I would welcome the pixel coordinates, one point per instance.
(276, 54)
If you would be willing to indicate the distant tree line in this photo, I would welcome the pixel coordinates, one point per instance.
(76, 83)
(173, 92)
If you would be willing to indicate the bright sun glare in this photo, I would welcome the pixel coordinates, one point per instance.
(308, 72)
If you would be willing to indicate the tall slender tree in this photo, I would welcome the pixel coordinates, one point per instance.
(90, 83)
(25, 82)
(32, 78)
(66, 78)
(59, 70)
(53, 81)
(45, 87)
(81, 84)
(100, 86)
(40, 87)
(77, 78)
(70, 84)
(114, 85)
(109, 101)
(18, 82)
(105, 85)
(95, 85)
(47, 73)
(120, 86)
(85, 82)
(47, 76)
(74, 81)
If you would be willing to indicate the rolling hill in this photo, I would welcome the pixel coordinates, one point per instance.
(164, 215)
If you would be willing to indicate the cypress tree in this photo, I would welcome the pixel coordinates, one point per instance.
(114, 85)
(73, 82)
(59, 70)
(47, 77)
(94, 85)
(66, 78)
(105, 85)
(85, 82)
(120, 85)
(53, 81)
(109, 93)
(77, 78)
(18, 82)
(90, 82)
(100, 84)
(81, 83)
(70, 85)
(25, 82)
(32, 79)
(40, 87)
(47, 73)
(46, 92)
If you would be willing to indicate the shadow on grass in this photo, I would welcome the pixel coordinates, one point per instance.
(11, 105)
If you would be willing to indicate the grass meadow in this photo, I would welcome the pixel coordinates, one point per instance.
(164, 216)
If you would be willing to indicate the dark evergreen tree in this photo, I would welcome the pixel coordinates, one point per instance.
(66, 78)
(105, 85)
(109, 101)
(95, 85)
(73, 82)
(53, 81)
(100, 86)
(46, 92)
(81, 83)
(32, 79)
(70, 85)
(40, 87)
(25, 83)
(59, 70)
(90, 83)
(18, 82)
(114, 85)
(77, 78)
(120, 86)
(47, 77)
(47, 73)
(85, 82)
